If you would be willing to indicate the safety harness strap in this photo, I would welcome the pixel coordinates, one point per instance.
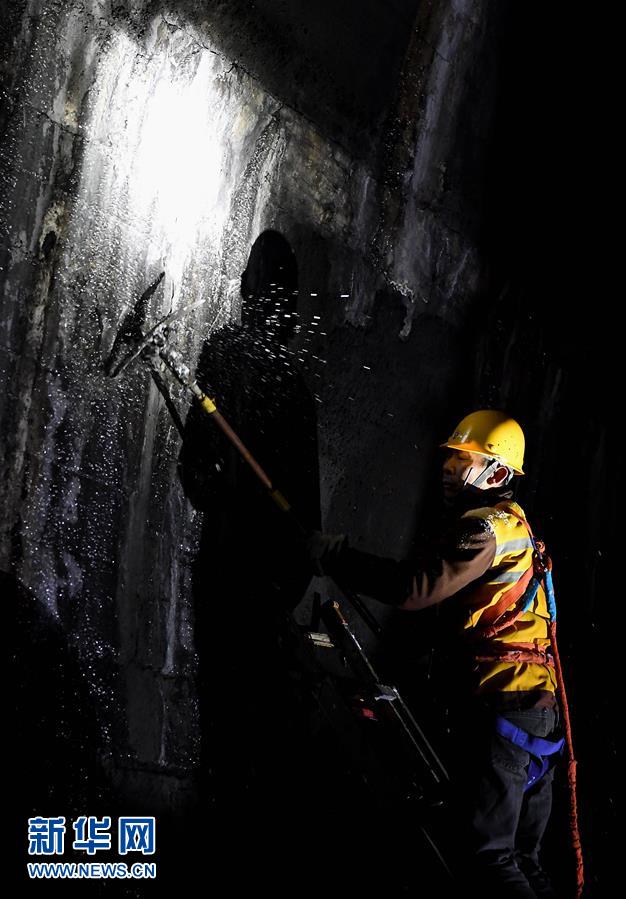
(542, 752)
(507, 599)
(514, 652)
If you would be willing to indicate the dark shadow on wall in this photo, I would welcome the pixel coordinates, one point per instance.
(277, 788)
(249, 570)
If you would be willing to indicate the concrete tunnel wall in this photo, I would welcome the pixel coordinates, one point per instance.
(367, 141)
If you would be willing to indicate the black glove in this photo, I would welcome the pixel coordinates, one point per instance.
(324, 551)
(386, 580)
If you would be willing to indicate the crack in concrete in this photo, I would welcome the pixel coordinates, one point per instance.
(53, 121)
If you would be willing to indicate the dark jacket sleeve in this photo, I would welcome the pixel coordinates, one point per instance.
(462, 554)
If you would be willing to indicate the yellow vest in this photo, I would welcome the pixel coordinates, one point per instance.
(514, 552)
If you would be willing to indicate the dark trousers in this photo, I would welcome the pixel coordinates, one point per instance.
(503, 825)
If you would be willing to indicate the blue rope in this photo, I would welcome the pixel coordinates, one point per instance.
(533, 586)
(550, 595)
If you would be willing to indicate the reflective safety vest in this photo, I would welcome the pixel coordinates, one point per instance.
(511, 650)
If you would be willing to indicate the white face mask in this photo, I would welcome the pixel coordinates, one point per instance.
(486, 473)
(468, 472)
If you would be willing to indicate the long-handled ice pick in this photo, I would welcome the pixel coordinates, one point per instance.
(132, 343)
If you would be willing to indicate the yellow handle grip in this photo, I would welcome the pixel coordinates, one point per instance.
(207, 404)
(280, 500)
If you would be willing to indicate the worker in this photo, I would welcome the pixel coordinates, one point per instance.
(479, 563)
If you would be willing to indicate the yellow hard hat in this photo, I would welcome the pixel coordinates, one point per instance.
(490, 433)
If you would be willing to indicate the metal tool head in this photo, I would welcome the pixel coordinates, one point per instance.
(130, 333)
(133, 341)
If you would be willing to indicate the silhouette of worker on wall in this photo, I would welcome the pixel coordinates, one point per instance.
(249, 571)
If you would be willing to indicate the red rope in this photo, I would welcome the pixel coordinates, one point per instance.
(571, 766)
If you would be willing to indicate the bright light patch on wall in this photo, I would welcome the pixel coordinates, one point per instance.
(176, 166)
(153, 188)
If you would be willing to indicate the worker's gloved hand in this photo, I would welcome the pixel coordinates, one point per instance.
(324, 551)
(387, 580)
